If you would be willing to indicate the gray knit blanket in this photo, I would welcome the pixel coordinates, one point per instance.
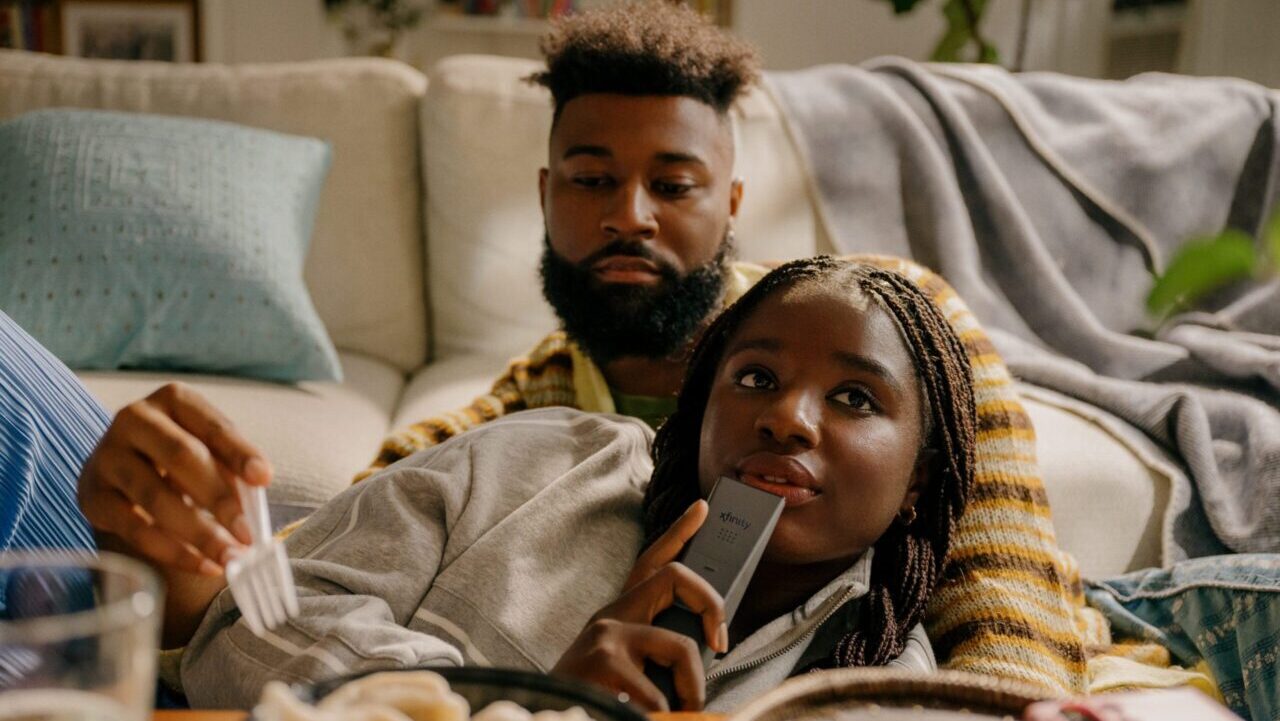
(1050, 203)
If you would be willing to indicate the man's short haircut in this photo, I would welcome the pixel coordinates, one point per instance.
(650, 47)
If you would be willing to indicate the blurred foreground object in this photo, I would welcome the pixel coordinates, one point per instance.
(78, 636)
(1181, 704)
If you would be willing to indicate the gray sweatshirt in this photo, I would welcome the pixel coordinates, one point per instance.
(494, 549)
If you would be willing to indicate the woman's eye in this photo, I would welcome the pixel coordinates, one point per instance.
(754, 379)
(854, 398)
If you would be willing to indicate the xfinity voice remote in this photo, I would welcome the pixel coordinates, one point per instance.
(725, 552)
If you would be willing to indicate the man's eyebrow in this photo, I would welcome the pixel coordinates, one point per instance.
(595, 151)
(671, 158)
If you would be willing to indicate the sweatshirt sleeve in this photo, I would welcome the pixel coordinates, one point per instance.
(362, 565)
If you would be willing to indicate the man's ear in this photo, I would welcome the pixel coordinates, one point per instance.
(921, 476)
(542, 190)
(735, 197)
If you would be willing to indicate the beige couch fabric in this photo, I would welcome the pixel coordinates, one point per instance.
(317, 435)
(1109, 499)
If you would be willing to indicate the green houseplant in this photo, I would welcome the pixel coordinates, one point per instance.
(1211, 263)
(373, 27)
(964, 21)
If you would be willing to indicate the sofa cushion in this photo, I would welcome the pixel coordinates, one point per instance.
(1108, 490)
(316, 435)
(447, 385)
(485, 136)
(366, 252)
(174, 235)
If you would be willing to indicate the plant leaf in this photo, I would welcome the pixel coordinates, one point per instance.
(1201, 266)
(1273, 243)
(904, 6)
(958, 34)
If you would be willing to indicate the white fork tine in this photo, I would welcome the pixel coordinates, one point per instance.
(243, 593)
(270, 581)
(285, 573)
(260, 579)
(259, 574)
(257, 594)
(262, 590)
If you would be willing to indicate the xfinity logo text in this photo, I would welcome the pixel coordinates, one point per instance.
(738, 521)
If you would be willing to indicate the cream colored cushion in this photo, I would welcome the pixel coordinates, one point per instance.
(485, 137)
(1109, 492)
(364, 270)
(447, 385)
(316, 435)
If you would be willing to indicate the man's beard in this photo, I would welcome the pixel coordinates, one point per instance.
(611, 321)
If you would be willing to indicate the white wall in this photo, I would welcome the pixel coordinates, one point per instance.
(798, 33)
(253, 31)
(1240, 38)
(1235, 37)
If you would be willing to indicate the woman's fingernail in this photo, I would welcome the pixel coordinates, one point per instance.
(240, 527)
(722, 638)
(209, 568)
(257, 471)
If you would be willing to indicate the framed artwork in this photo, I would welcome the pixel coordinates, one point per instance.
(131, 29)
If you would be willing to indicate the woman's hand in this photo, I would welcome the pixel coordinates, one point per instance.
(160, 486)
(612, 649)
(162, 482)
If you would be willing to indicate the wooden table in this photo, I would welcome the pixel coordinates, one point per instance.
(240, 715)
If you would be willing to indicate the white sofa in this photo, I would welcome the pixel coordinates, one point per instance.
(424, 264)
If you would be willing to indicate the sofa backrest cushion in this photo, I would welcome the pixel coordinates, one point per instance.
(364, 270)
(485, 136)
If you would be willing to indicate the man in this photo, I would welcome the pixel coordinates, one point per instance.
(639, 201)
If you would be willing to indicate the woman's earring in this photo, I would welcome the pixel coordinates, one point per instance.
(908, 516)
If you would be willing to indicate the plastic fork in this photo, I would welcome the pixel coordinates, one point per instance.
(260, 579)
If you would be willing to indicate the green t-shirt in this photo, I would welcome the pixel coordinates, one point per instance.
(653, 410)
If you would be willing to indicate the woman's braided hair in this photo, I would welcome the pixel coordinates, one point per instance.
(909, 557)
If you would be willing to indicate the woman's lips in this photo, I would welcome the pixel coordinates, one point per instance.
(780, 475)
(791, 495)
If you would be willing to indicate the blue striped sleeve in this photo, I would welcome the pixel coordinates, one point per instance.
(49, 424)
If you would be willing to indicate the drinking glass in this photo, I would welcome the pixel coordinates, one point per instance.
(79, 635)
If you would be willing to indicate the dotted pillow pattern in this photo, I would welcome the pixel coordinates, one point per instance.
(152, 242)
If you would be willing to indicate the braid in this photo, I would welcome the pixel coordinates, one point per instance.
(909, 557)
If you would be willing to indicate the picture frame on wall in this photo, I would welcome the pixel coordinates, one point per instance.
(163, 30)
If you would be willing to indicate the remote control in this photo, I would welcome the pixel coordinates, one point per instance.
(725, 552)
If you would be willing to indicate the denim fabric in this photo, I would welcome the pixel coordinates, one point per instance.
(1224, 610)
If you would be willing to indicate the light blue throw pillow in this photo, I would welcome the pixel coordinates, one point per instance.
(143, 241)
